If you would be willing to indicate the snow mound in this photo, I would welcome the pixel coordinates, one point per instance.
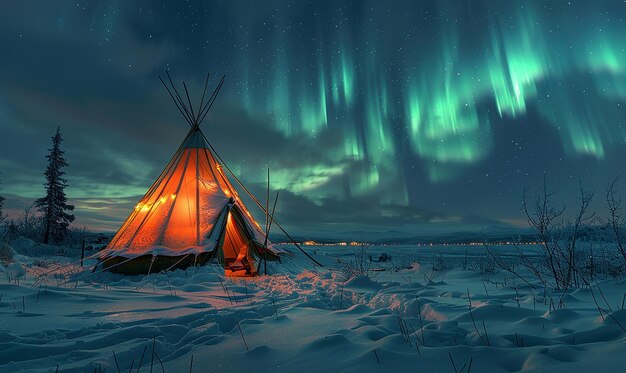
(15, 271)
(28, 247)
(22, 245)
(362, 283)
(6, 253)
(299, 318)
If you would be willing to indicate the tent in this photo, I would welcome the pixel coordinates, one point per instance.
(191, 214)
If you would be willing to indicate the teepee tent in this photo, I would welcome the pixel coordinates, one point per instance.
(191, 214)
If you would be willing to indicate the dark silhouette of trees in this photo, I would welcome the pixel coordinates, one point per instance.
(56, 212)
(1, 206)
(616, 223)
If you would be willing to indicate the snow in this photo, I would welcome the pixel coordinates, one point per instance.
(302, 318)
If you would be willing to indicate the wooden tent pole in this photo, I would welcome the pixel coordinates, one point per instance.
(206, 84)
(269, 227)
(216, 90)
(267, 220)
(176, 103)
(190, 105)
(209, 103)
(180, 100)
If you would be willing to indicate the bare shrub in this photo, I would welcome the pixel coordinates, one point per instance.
(558, 236)
(483, 265)
(6, 253)
(359, 265)
(76, 236)
(28, 225)
(615, 223)
(575, 250)
(600, 258)
(519, 265)
(442, 263)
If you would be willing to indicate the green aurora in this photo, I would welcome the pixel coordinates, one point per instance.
(401, 103)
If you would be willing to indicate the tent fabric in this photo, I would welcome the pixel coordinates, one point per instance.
(191, 209)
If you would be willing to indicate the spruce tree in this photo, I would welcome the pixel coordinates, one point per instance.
(56, 212)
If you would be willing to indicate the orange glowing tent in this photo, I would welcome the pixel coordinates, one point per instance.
(191, 213)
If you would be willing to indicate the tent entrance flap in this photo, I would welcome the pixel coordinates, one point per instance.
(236, 246)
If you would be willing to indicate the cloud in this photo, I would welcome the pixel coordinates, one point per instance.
(304, 219)
(352, 218)
(97, 214)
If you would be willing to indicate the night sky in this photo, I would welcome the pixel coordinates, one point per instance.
(373, 116)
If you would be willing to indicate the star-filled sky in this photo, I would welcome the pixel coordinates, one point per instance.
(373, 116)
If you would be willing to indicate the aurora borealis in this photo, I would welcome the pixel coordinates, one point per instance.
(425, 115)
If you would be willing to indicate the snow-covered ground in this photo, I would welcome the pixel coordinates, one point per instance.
(308, 319)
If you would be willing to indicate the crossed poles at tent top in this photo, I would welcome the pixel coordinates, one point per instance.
(192, 117)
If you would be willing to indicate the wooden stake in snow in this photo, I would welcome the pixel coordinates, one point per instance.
(376, 355)
(419, 314)
(417, 339)
(142, 355)
(242, 337)
(469, 368)
(152, 361)
(453, 365)
(225, 290)
(482, 338)
(160, 362)
(341, 298)
(82, 254)
(116, 364)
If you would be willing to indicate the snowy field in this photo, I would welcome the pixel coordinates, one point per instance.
(410, 313)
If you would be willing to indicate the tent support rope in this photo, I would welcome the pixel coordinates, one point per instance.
(163, 271)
